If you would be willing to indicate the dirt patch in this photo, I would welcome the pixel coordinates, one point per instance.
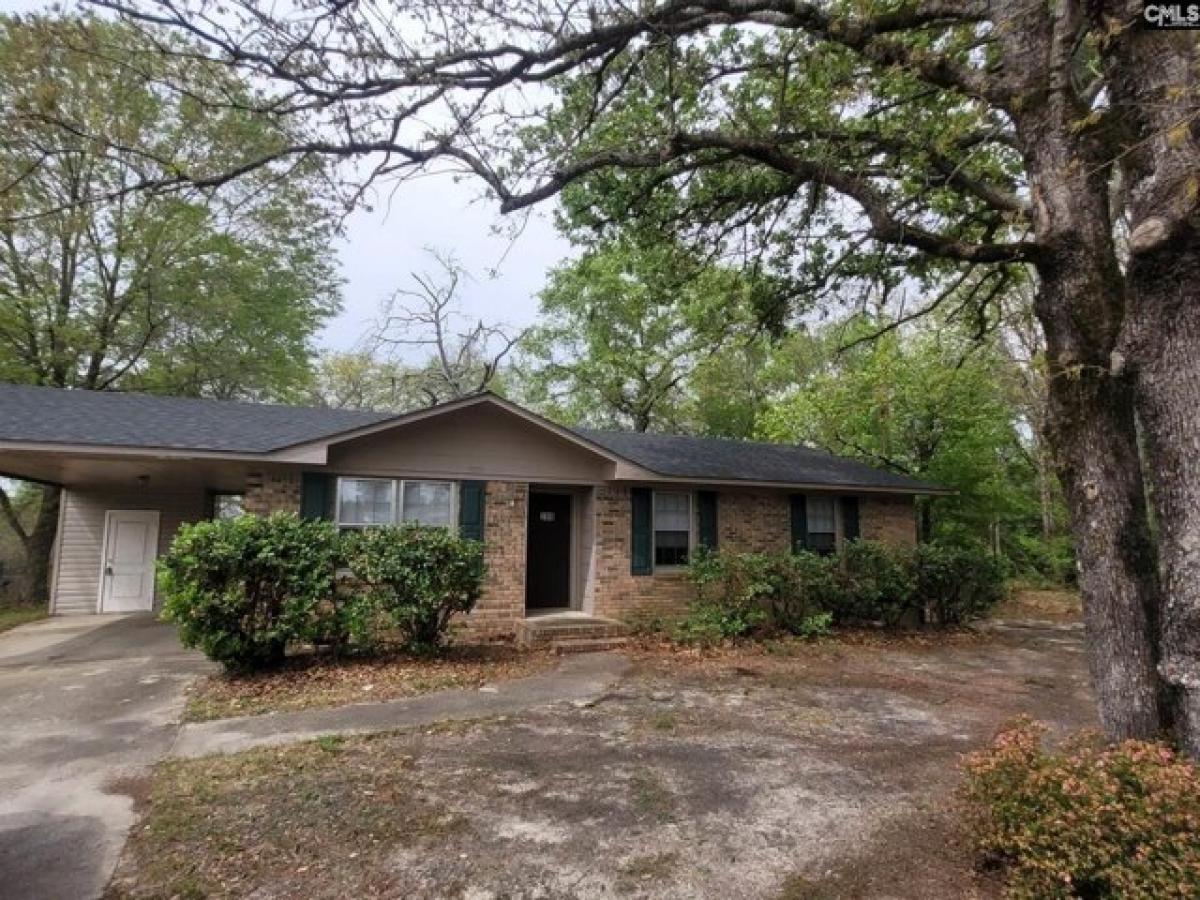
(1043, 604)
(312, 682)
(823, 773)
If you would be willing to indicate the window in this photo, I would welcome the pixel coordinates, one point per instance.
(228, 505)
(672, 528)
(363, 502)
(822, 527)
(429, 503)
(366, 501)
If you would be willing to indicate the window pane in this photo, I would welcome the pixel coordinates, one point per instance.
(228, 506)
(820, 515)
(670, 548)
(672, 528)
(822, 542)
(365, 501)
(429, 502)
(671, 512)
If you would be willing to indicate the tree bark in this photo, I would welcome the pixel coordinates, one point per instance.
(1161, 345)
(41, 544)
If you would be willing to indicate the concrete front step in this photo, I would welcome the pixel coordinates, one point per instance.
(588, 645)
(555, 631)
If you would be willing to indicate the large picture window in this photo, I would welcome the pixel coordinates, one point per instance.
(363, 502)
(822, 525)
(672, 528)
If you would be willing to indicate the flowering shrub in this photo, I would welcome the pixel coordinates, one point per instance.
(1090, 821)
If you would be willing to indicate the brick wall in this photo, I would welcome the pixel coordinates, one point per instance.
(503, 600)
(889, 520)
(276, 491)
(616, 593)
(750, 522)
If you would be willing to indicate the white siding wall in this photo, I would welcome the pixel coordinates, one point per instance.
(81, 539)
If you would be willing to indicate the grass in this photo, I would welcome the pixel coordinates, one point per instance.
(312, 682)
(12, 616)
(222, 825)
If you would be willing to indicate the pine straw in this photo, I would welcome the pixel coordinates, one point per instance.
(312, 682)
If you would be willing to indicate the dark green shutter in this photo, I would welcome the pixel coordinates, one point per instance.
(850, 529)
(641, 557)
(799, 522)
(470, 509)
(706, 516)
(316, 491)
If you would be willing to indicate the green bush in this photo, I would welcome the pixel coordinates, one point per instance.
(242, 589)
(876, 581)
(738, 594)
(954, 584)
(1091, 821)
(415, 578)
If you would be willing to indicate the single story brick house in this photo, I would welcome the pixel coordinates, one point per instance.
(599, 523)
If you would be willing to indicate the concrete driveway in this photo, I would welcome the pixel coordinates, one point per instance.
(86, 702)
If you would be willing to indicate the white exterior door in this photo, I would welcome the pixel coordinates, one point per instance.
(130, 547)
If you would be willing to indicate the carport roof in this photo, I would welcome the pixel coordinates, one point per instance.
(111, 419)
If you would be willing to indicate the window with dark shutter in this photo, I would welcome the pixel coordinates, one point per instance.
(641, 516)
(799, 506)
(315, 495)
(706, 519)
(850, 527)
(471, 509)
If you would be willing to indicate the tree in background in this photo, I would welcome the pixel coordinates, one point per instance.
(626, 326)
(460, 356)
(924, 403)
(104, 289)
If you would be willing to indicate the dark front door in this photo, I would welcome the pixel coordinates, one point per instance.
(548, 561)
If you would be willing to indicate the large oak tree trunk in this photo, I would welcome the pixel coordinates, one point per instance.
(1096, 447)
(1162, 347)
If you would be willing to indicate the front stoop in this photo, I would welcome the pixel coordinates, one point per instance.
(572, 633)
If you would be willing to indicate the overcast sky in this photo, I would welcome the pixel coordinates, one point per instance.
(382, 246)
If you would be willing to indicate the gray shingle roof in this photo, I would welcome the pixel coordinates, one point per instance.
(54, 416)
(677, 456)
(110, 419)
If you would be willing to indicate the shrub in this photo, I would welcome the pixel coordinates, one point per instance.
(741, 593)
(416, 578)
(954, 584)
(242, 589)
(877, 583)
(1091, 821)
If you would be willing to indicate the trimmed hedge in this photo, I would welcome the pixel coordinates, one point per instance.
(416, 580)
(1090, 821)
(803, 593)
(243, 590)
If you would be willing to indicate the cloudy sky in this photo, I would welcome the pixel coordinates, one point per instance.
(382, 246)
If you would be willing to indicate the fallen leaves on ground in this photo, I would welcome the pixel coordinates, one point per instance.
(308, 682)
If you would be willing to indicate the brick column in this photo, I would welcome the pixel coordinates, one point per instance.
(502, 605)
(275, 491)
